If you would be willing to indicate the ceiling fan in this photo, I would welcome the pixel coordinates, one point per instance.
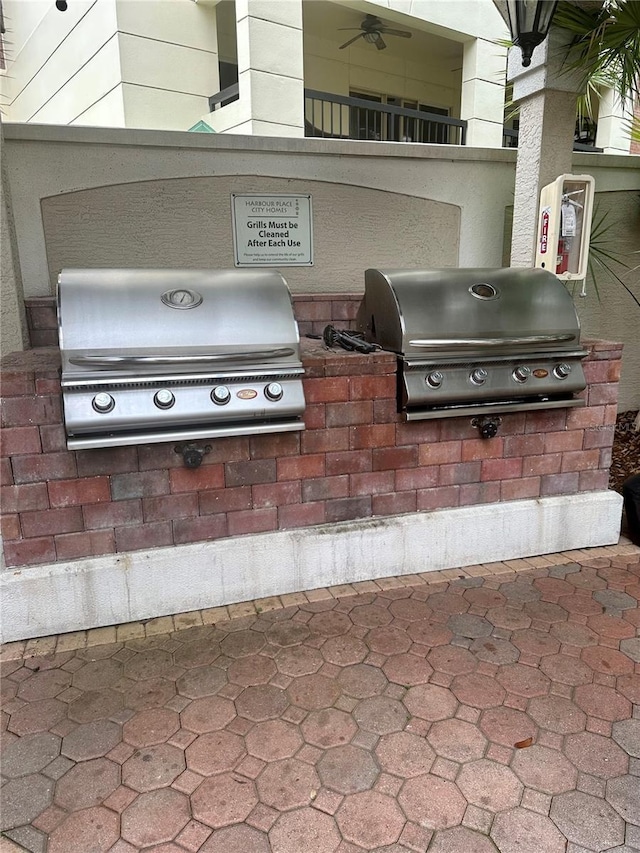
(371, 30)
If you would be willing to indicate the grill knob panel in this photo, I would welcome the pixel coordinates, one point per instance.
(434, 380)
(478, 376)
(164, 399)
(221, 395)
(522, 373)
(273, 391)
(561, 371)
(103, 402)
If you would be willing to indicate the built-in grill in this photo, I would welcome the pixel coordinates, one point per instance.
(165, 355)
(476, 341)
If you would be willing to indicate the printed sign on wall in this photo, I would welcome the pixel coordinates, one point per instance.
(272, 230)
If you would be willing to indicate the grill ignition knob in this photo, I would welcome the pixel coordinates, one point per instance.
(221, 395)
(273, 391)
(521, 374)
(479, 376)
(562, 370)
(164, 399)
(434, 380)
(103, 402)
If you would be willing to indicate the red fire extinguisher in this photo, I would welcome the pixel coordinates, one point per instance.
(562, 259)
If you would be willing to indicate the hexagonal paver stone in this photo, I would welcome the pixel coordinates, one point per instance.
(631, 648)
(606, 660)
(587, 821)
(629, 686)
(596, 755)
(523, 831)
(221, 800)
(432, 802)
(328, 727)
(274, 739)
(496, 651)
(571, 634)
(479, 691)
(87, 784)
(207, 714)
(430, 702)
(457, 740)
(410, 609)
(614, 600)
(23, 799)
(523, 680)
(405, 754)
(452, 659)
(490, 785)
(153, 767)
(288, 633)
(370, 615)
(37, 716)
(611, 626)
(407, 669)
(347, 769)
(95, 829)
(566, 670)
(151, 693)
(236, 839)
(287, 784)
(150, 727)
(97, 675)
(214, 752)
(96, 705)
(624, 795)
(508, 617)
(262, 702)
(239, 644)
(370, 819)
(313, 691)
(155, 817)
(535, 642)
(507, 726)
(29, 754)
(362, 680)
(602, 702)
(557, 714)
(388, 640)
(461, 840)
(381, 714)
(447, 602)
(627, 735)
(304, 829)
(201, 681)
(467, 625)
(429, 633)
(299, 660)
(254, 669)
(520, 591)
(344, 650)
(152, 663)
(91, 740)
(544, 769)
(44, 685)
(330, 623)
(199, 653)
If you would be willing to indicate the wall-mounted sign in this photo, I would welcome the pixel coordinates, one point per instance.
(272, 230)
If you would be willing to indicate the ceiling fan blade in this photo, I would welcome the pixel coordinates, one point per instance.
(344, 29)
(380, 44)
(351, 41)
(402, 33)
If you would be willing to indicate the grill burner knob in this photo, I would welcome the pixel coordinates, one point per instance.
(273, 391)
(221, 395)
(434, 380)
(479, 376)
(164, 399)
(562, 370)
(521, 374)
(103, 402)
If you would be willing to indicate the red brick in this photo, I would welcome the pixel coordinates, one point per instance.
(501, 469)
(49, 466)
(327, 390)
(559, 484)
(440, 453)
(248, 473)
(44, 339)
(353, 364)
(10, 525)
(168, 507)
(416, 478)
(610, 414)
(228, 449)
(301, 515)
(372, 483)
(345, 509)
(605, 458)
(159, 457)
(474, 449)
(216, 501)
(391, 458)
(91, 543)
(202, 529)
(272, 446)
(17, 384)
(524, 445)
(585, 417)
(385, 412)
(344, 309)
(315, 416)
(20, 440)
(53, 438)
(114, 514)
(347, 414)
(276, 494)
(533, 466)
(6, 472)
(107, 460)
(550, 420)
(598, 437)
(311, 310)
(615, 371)
(30, 552)
(514, 490)
(372, 387)
(91, 490)
(198, 479)
(325, 440)
(460, 472)
(376, 435)
(418, 432)
(603, 394)
(28, 411)
(479, 493)
(144, 536)
(140, 484)
(580, 460)
(252, 521)
(47, 385)
(513, 423)
(41, 311)
(593, 481)
(557, 442)
(443, 496)
(348, 462)
(23, 498)
(300, 467)
(394, 503)
(595, 371)
(454, 429)
(323, 488)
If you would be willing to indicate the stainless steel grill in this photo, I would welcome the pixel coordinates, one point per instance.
(476, 341)
(165, 355)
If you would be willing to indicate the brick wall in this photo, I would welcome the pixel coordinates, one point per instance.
(355, 459)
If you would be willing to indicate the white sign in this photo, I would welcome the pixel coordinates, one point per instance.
(272, 230)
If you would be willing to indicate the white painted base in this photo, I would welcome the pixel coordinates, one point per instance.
(117, 588)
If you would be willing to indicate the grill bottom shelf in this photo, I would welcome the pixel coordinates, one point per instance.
(493, 408)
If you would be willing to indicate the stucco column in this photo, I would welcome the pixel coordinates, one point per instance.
(614, 119)
(482, 96)
(13, 335)
(270, 67)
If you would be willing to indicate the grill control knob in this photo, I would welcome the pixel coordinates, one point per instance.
(479, 376)
(522, 373)
(562, 370)
(273, 391)
(103, 402)
(434, 380)
(221, 395)
(164, 399)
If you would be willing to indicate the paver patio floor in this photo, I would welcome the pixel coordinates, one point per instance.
(468, 713)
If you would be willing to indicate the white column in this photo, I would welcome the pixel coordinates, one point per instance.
(13, 334)
(482, 97)
(614, 121)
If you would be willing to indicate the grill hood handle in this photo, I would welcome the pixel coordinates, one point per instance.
(141, 360)
(476, 343)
